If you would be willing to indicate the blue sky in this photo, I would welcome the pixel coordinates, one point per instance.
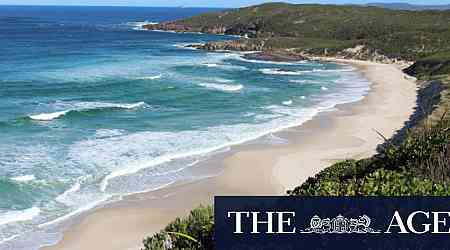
(197, 3)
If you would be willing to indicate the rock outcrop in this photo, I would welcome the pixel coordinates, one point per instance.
(249, 30)
(170, 26)
(235, 45)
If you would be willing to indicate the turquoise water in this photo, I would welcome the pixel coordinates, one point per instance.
(93, 108)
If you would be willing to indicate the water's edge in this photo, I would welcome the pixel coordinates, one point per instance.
(67, 222)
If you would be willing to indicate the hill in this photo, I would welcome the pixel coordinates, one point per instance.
(407, 6)
(378, 33)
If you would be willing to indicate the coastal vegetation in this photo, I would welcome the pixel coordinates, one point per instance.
(326, 29)
(193, 232)
(415, 162)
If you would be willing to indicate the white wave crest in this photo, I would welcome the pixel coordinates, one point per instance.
(324, 88)
(75, 212)
(280, 72)
(276, 71)
(241, 58)
(288, 103)
(140, 25)
(17, 216)
(48, 116)
(106, 133)
(223, 80)
(81, 106)
(222, 87)
(189, 46)
(150, 77)
(211, 65)
(24, 178)
(63, 197)
(298, 81)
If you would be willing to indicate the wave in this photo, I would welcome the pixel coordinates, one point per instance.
(277, 71)
(150, 77)
(298, 81)
(107, 133)
(187, 45)
(223, 80)
(324, 88)
(18, 216)
(225, 66)
(156, 148)
(222, 87)
(280, 72)
(49, 116)
(62, 197)
(23, 178)
(346, 69)
(242, 58)
(211, 65)
(75, 212)
(288, 103)
(139, 25)
(83, 106)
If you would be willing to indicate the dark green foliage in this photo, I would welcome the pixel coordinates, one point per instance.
(192, 232)
(434, 65)
(420, 165)
(395, 33)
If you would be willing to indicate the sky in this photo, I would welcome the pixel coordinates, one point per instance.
(199, 3)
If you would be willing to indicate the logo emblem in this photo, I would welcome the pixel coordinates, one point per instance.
(340, 225)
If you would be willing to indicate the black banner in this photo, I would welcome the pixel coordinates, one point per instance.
(332, 223)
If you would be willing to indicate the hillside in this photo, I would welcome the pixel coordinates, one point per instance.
(407, 6)
(326, 29)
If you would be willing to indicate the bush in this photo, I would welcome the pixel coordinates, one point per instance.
(194, 232)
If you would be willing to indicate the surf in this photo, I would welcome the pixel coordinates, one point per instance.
(85, 106)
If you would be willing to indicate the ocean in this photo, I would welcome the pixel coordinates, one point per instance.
(93, 107)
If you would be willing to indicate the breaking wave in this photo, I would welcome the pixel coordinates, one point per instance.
(222, 87)
(83, 106)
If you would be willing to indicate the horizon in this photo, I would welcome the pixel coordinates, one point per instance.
(204, 3)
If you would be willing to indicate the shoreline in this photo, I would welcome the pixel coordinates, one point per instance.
(389, 104)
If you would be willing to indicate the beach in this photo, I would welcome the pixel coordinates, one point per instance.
(258, 168)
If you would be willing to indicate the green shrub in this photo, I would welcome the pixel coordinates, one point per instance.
(194, 232)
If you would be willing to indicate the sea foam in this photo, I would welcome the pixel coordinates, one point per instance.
(287, 103)
(18, 216)
(222, 87)
(140, 25)
(24, 178)
(48, 116)
(150, 77)
(83, 106)
(280, 72)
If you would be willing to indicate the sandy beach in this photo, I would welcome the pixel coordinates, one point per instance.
(258, 168)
